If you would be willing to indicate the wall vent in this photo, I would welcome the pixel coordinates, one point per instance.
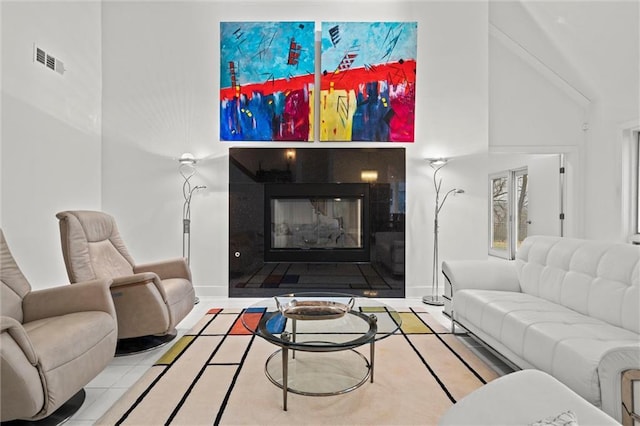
(40, 55)
(49, 61)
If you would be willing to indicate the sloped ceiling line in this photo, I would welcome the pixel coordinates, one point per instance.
(536, 63)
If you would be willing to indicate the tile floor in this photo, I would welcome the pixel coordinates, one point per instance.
(105, 389)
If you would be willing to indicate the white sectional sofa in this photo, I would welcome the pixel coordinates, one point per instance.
(568, 307)
(526, 397)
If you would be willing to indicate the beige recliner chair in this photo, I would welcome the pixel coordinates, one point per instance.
(150, 299)
(53, 342)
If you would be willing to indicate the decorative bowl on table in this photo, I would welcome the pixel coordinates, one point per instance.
(314, 309)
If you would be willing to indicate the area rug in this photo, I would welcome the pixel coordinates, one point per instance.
(215, 375)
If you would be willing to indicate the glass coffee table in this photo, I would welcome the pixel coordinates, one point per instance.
(318, 335)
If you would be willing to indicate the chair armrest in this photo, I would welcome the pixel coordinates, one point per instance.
(139, 279)
(481, 275)
(173, 268)
(91, 295)
(19, 335)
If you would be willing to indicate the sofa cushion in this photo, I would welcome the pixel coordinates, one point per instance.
(53, 349)
(107, 261)
(594, 278)
(92, 246)
(550, 337)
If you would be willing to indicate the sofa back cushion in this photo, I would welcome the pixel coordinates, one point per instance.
(14, 285)
(92, 247)
(595, 278)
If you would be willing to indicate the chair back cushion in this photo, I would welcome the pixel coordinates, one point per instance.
(14, 285)
(92, 247)
(596, 278)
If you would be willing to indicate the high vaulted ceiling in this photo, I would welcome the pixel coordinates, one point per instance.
(592, 45)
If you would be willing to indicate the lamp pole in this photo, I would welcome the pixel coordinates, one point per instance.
(434, 298)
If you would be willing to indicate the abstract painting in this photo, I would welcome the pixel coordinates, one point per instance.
(368, 81)
(266, 81)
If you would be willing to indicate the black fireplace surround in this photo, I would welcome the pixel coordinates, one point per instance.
(316, 219)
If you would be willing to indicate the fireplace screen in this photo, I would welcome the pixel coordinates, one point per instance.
(316, 223)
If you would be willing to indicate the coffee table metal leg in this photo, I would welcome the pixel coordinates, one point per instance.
(285, 369)
(372, 355)
(373, 321)
(293, 329)
(285, 374)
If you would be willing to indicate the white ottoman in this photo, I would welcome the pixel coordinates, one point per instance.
(523, 398)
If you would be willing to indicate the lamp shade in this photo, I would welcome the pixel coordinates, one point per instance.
(437, 161)
(187, 158)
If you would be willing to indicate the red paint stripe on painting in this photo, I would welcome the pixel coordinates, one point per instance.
(283, 85)
(394, 74)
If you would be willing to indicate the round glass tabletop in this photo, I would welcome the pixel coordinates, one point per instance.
(320, 322)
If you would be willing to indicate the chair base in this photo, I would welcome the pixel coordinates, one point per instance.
(61, 415)
(136, 345)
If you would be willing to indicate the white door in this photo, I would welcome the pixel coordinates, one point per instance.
(544, 182)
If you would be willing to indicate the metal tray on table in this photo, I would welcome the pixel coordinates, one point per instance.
(314, 309)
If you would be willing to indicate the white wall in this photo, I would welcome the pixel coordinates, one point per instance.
(564, 77)
(533, 112)
(160, 82)
(50, 132)
(606, 207)
(151, 70)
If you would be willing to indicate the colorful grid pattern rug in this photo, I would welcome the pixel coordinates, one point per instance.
(215, 375)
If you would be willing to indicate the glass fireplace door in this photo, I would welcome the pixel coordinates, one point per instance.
(316, 223)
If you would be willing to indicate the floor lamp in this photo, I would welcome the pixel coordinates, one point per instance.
(435, 299)
(187, 169)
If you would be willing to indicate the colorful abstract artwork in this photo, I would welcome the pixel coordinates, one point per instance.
(266, 81)
(368, 81)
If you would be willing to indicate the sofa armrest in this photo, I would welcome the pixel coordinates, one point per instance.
(630, 407)
(19, 335)
(612, 366)
(173, 268)
(91, 295)
(143, 278)
(522, 398)
(481, 275)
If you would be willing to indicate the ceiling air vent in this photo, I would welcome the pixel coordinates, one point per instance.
(47, 60)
